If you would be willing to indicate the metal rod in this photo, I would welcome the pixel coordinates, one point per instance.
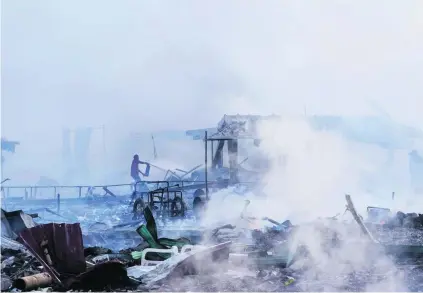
(167, 191)
(212, 152)
(205, 164)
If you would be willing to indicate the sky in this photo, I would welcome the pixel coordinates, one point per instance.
(153, 65)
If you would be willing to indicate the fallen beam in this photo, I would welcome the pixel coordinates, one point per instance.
(353, 211)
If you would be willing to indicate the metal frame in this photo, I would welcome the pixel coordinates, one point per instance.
(208, 138)
(165, 202)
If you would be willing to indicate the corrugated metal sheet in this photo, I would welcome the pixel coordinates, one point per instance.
(65, 246)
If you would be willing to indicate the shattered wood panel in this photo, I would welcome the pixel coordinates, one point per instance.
(64, 243)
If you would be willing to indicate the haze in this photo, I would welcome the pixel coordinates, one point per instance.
(144, 66)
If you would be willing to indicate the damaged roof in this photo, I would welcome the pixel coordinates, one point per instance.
(380, 131)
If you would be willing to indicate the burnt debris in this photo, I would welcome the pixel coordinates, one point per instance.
(381, 252)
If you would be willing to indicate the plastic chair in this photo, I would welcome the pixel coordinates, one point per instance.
(144, 262)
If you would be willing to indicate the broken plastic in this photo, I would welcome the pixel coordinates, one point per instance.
(149, 233)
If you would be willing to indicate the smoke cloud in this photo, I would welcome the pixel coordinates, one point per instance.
(142, 67)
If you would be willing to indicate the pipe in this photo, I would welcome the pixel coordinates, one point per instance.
(32, 282)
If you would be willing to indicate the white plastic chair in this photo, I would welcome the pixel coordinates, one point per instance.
(172, 251)
(144, 262)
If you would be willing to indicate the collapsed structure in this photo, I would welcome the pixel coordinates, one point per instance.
(380, 136)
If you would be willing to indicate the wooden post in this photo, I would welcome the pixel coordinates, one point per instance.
(58, 202)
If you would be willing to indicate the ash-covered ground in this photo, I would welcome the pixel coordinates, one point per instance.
(397, 275)
(324, 255)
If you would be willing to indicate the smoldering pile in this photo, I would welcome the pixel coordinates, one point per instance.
(324, 255)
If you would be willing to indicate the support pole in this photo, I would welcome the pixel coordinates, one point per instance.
(353, 211)
(58, 203)
(205, 164)
(212, 153)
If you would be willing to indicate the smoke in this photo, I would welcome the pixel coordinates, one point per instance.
(146, 66)
(310, 172)
(316, 172)
(317, 169)
(140, 66)
(350, 260)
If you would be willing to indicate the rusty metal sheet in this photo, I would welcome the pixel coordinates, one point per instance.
(64, 244)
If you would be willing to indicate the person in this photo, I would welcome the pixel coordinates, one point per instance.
(135, 171)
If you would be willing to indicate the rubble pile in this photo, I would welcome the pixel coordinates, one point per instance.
(16, 264)
(325, 255)
(389, 220)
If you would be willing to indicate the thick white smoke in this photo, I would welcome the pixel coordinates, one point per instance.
(317, 169)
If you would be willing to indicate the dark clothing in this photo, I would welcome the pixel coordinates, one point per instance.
(136, 178)
(134, 168)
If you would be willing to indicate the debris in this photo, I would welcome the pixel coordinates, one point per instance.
(138, 271)
(23, 263)
(149, 233)
(7, 262)
(108, 192)
(227, 226)
(188, 263)
(124, 258)
(62, 243)
(58, 247)
(6, 283)
(7, 243)
(399, 251)
(351, 208)
(14, 222)
(109, 275)
(95, 250)
(266, 259)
